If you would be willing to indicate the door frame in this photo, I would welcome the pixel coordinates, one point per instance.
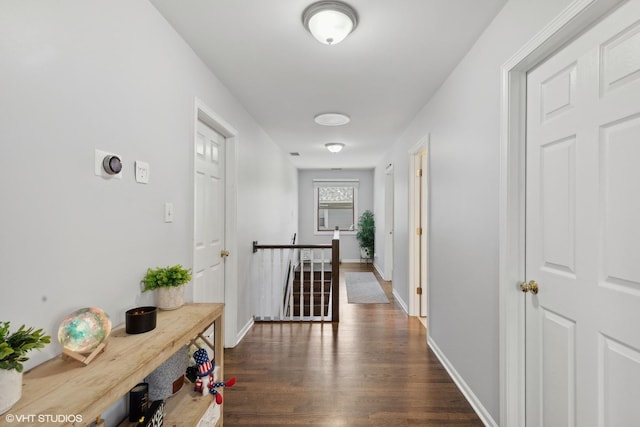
(414, 241)
(207, 116)
(389, 221)
(574, 20)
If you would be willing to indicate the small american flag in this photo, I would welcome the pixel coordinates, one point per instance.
(204, 368)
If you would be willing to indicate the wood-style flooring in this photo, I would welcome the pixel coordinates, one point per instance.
(372, 369)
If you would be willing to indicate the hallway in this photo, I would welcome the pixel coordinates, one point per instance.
(373, 369)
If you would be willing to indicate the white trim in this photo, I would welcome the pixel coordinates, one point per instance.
(350, 261)
(400, 301)
(473, 400)
(241, 334)
(335, 182)
(571, 22)
(389, 222)
(330, 232)
(379, 270)
(414, 240)
(203, 113)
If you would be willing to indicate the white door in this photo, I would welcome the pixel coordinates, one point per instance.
(583, 230)
(209, 208)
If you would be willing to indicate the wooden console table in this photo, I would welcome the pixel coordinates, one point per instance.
(66, 387)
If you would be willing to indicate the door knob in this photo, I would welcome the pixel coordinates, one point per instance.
(224, 253)
(532, 287)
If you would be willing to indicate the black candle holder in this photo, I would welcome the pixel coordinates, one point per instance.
(140, 319)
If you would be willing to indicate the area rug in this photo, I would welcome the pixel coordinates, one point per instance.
(363, 288)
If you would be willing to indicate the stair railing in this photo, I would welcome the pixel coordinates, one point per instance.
(293, 283)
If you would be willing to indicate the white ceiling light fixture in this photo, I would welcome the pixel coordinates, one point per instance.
(334, 147)
(330, 21)
(332, 119)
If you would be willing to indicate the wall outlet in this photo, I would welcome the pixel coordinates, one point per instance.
(142, 172)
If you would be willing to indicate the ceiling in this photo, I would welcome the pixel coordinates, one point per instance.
(381, 75)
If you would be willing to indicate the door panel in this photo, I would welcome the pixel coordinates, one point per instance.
(620, 62)
(557, 204)
(208, 272)
(619, 366)
(620, 153)
(558, 368)
(558, 92)
(583, 229)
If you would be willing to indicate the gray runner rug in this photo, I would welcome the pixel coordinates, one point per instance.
(363, 288)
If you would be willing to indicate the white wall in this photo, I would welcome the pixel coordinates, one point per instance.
(76, 76)
(463, 121)
(349, 246)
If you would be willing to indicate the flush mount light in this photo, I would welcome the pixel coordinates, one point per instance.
(330, 21)
(334, 147)
(332, 119)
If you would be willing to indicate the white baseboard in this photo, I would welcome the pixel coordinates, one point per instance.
(400, 301)
(351, 261)
(473, 400)
(240, 335)
(379, 270)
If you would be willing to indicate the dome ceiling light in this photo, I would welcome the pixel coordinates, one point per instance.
(334, 147)
(332, 119)
(330, 21)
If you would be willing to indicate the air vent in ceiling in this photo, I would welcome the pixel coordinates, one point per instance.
(294, 153)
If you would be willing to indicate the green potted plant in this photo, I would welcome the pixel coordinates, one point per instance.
(13, 352)
(366, 234)
(169, 283)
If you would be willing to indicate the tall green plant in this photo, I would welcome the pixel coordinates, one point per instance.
(366, 234)
(15, 346)
(165, 277)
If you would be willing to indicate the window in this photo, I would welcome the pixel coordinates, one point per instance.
(336, 205)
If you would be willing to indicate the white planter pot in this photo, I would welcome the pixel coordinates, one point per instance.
(10, 388)
(170, 298)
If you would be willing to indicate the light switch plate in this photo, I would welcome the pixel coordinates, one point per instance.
(168, 212)
(142, 172)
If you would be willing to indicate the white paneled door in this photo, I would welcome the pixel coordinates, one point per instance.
(583, 230)
(209, 207)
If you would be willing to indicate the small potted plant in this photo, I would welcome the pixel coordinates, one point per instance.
(13, 352)
(169, 282)
(366, 234)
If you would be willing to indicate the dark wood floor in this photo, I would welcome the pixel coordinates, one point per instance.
(373, 369)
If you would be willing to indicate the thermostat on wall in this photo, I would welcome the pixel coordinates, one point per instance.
(107, 165)
(112, 164)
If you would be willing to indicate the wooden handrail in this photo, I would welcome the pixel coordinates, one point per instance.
(336, 236)
(256, 246)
